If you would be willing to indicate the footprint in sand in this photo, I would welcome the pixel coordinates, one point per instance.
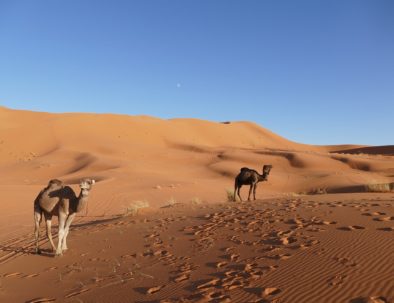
(315, 229)
(345, 261)
(127, 256)
(154, 289)
(41, 300)
(51, 268)
(228, 249)
(31, 276)
(384, 219)
(351, 227)
(287, 240)
(232, 257)
(209, 284)
(358, 227)
(77, 292)
(309, 243)
(12, 274)
(233, 283)
(372, 214)
(261, 301)
(182, 277)
(386, 228)
(215, 296)
(266, 291)
(369, 300)
(336, 280)
(220, 264)
(280, 257)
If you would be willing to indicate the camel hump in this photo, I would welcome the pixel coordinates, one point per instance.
(68, 193)
(244, 169)
(54, 184)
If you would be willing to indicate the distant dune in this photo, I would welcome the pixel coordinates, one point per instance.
(35, 146)
(145, 158)
(134, 155)
(372, 150)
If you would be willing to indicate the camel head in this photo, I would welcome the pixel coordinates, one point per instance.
(266, 171)
(86, 185)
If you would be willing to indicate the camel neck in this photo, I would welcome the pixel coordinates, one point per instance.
(263, 177)
(82, 200)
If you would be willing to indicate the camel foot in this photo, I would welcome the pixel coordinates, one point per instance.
(38, 251)
(58, 254)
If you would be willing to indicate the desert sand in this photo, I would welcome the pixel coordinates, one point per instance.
(159, 226)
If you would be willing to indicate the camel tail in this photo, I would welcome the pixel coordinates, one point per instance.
(38, 211)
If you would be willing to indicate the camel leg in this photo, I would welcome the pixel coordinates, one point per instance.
(37, 221)
(62, 221)
(254, 191)
(250, 191)
(69, 220)
(235, 192)
(239, 195)
(48, 221)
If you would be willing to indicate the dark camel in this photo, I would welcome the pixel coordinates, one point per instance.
(250, 177)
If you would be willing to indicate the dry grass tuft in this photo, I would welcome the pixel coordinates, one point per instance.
(230, 195)
(318, 191)
(171, 201)
(134, 207)
(196, 201)
(379, 188)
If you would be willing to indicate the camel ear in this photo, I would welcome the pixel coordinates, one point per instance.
(93, 181)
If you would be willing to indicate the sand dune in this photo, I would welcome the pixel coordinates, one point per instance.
(182, 169)
(372, 150)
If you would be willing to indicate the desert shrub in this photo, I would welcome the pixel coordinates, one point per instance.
(171, 201)
(196, 201)
(133, 208)
(230, 195)
(379, 187)
(318, 191)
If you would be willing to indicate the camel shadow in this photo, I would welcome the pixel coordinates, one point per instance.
(14, 250)
(94, 222)
(141, 290)
(46, 252)
(28, 249)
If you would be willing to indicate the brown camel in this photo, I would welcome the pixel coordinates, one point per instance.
(61, 201)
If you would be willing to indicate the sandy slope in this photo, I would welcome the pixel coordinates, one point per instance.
(162, 162)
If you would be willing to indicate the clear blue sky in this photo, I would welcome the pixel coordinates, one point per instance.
(319, 72)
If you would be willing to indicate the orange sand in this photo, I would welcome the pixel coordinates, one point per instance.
(286, 247)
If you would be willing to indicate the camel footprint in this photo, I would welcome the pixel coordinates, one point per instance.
(351, 227)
